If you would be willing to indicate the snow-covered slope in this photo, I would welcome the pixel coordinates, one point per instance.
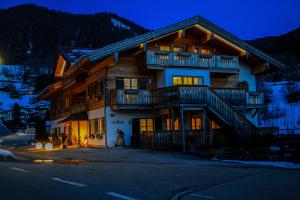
(119, 24)
(281, 113)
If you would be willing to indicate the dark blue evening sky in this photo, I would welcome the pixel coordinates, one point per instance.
(247, 19)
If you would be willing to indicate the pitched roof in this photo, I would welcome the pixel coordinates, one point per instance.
(103, 52)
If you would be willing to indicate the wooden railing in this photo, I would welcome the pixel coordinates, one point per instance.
(131, 97)
(205, 95)
(192, 60)
(232, 95)
(254, 98)
(236, 96)
(183, 95)
(169, 139)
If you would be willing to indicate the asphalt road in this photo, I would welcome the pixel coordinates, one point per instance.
(134, 174)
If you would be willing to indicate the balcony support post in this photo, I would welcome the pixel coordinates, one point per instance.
(172, 119)
(206, 127)
(182, 132)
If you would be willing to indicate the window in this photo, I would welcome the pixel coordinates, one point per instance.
(187, 80)
(196, 123)
(96, 89)
(67, 103)
(206, 51)
(126, 83)
(146, 125)
(214, 125)
(56, 130)
(178, 49)
(96, 127)
(176, 124)
(164, 48)
(130, 84)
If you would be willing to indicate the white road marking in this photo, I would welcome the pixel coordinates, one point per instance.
(69, 182)
(19, 169)
(202, 196)
(120, 196)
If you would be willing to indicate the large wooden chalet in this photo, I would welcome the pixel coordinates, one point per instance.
(191, 81)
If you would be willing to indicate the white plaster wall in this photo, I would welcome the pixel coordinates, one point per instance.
(122, 120)
(55, 124)
(93, 114)
(165, 77)
(246, 75)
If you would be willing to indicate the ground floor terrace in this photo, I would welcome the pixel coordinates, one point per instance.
(188, 129)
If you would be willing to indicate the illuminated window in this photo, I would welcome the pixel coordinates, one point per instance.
(130, 83)
(206, 51)
(196, 123)
(178, 49)
(214, 125)
(146, 125)
(164, 48)
(96, 128)
(187, 80)
(176, 124)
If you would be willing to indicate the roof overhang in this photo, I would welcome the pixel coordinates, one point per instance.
(199, 22)
(49, 91)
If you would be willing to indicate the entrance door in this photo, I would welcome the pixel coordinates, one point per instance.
(135, 137)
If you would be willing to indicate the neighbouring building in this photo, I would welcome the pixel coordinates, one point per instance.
(191, 81)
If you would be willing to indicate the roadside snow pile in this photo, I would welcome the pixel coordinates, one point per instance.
(4, 154)
(286, 165)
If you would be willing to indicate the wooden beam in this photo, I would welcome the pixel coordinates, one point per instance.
(208, 37)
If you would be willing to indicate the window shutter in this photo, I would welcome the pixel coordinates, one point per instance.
(119, 83)
(142, 84)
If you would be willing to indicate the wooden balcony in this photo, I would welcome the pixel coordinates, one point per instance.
(216, 63)
(240, 97)
(195, 95)
(124, 99)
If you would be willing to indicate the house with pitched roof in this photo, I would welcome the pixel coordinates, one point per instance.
(188, 85)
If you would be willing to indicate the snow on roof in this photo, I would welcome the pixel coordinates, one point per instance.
(72, 54)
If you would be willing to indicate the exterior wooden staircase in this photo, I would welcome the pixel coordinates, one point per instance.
(215, 104)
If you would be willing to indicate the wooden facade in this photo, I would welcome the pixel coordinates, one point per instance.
(190, 77)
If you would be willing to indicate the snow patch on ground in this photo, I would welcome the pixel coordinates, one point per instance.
(6, 154)
(119, 24)
(286, 165)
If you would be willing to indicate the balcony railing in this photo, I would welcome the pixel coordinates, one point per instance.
(184, 95)
(131, 97)
(238, 97)
(206, 61)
